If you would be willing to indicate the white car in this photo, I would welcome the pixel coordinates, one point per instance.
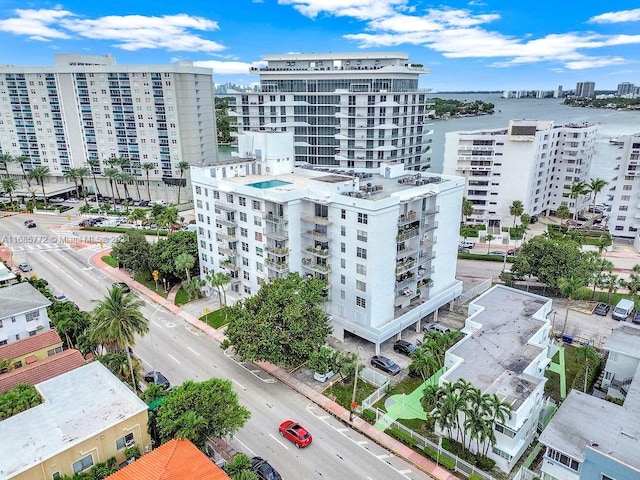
(466, 244)
(72, 200)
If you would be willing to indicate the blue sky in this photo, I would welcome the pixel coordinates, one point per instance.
(467, 45)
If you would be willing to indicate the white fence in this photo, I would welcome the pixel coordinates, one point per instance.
(467, 296)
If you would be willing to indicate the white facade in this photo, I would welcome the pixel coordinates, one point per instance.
(23, 312)
(585, 89)
(506, 351)
(347, 110)
(532, 161)
(624, 218)
(88, 108)
(385, 242)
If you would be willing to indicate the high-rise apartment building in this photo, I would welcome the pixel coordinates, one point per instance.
(532, 161)
(347, 110)
(624, 219)
(385, 242)
(586, 89)
(625, 88)
(88, 109)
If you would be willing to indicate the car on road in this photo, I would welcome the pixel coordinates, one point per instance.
(25, 267)
(158, 378)
(499, 253)
(264, 470)
(404, 347)
(461, 249)
(385, 364)
(56, 199)
(514, 251)
(466, 244)
(295, 433)
(30, 224)
(60, 297)
(602, 309)
(636, 317)
(72, 200)
(125, 288)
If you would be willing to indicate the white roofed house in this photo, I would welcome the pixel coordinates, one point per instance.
(23, 312)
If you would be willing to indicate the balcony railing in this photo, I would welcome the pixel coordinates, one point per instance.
(228, 250)
(318, 252)
(317, 235)
(281, 252)
(317, 220)
(225, 205)
(229, 265)
(277, 266)
(406, 265)
(407, 234)
(316, 267)
(407, 218)
(277, 235)
(275, 219)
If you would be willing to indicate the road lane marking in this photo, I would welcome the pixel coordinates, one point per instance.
(192, 350)
(156, 324)
(383, 456)
(277, 440)
(143, 360)
(246, 448)
(59, 253)
(238, 383)
(173, 358)
(44, 257)
(362, 442)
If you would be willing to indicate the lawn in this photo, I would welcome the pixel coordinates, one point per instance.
(150, 284)
(214, 319)
(342, 393)
(181, 297)
(552, 387)
(109, 260)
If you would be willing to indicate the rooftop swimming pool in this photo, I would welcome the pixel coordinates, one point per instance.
(269, 184)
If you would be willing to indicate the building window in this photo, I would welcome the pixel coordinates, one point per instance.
(242, 201)
(361, 252)
(505, 430)
(245, 275)
(255, 205)
(257, 221)
(245, 247)
(343, 263)
(561, 458)
(56, 476)
(198, 190)
(30, 316)
(259, 252)
(361, 302)
(362, 235)
(258, 236)
(363, 218)
(343, 247)
(124, 442)
(501, 453)
(626, 187)
(343, 231)
(83, 464)
(243, 217)
(244, 232)
(343, 280)
(229, 198)
(245, 261)
(343, 214)
(361, 286)
(361, 269)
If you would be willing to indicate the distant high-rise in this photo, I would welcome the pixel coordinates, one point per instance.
(348, 110)
(625, 88)
(586, 89)
(86, 108)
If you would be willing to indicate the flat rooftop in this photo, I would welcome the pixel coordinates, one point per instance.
(625, 338)
(584, 421)
(496, 355)
(76, 405)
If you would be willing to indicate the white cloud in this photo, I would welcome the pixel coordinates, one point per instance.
(228, 68)
(360, 9)
(617, 17)
(36, 24)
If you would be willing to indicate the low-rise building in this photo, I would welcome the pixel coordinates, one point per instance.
(31, 349)
(506, 351)
(23, 312)
(86, 416)
(386, 243)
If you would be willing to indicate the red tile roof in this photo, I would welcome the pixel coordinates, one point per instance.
(29, 344)
(175, 460)
(37, 372)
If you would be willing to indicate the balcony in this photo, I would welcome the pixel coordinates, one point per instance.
(406, 251)
(276, 266)
(427, 227)
(275, 219)
(316, 267)
(430, 212)
(405, 266)
(227, 250)
(230, 265)
(279, 235)
(317, 220)
(407, 218)
(405, 281)
(280, 252)
(229, 207)
(224, 220)
(230, 237)
(317, 235)
(407, 234)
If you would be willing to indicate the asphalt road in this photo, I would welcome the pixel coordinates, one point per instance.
(182, 352)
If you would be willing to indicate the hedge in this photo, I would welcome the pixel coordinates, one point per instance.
(489, 258)
(403, 436)
(441, 459)
(163, 233)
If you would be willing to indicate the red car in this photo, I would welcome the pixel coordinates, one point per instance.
(296, 433)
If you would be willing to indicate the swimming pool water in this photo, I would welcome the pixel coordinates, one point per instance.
(269, 184)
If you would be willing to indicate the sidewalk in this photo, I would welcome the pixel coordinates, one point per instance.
(420, 462)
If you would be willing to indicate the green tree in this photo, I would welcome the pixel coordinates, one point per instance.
(112, 174)
(68, 321)
(147, 167)
(488, 239)
(165, 251)
(571, 288)
(467, 209)
(74, 174)
(116, 320)
(563, 212)
(21, 160)
(589, 356)
(185, 262)
(39, 173)
(578, 189)
(613, 282)
(239, 468)
(137, 216)
(94, 164)
(153, 392)
(193, 287)
(633, 284)
(118, 364)
(515, 210)
(215, 408)
(218, 280)
(602, 267)
(322, 360)
(132, 250)
(126, 178)
(595, 186)
(283, 323)
(5, 160)
(10, 185)
(182, 166)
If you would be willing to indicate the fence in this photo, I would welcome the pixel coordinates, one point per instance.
(474, 292)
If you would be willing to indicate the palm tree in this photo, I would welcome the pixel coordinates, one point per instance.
(82, 173)
(488, 239)
(190, 426)
(182, 166)
(137, 184)
(21, 160)
(595, 186)
(93, 163)
(571, 288)
(633, 284)
(577, 190)
(5, 160)
(126, 178)
(147, 167)
(38, 174)
(612, 281)
(601, 265)
(117, 319)
(137, 215)
(563, 212)
(516, 209)
(9, 185)
(73, 174)
(219, 280)
(185, 262)
(589, 356)
(467, 209)
(112, 174)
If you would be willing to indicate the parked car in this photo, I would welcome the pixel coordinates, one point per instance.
(25, 267)
(125, 288)
(323, 377)
(296, 433)
(264, 470)
(404, 347)
(534, 219)
(156, 377)
(29, 224)
(60, 297)
(636, 317)
(56, 199)
(72, 200)
(583, 218)
(623, 309)
(463, 250)
(466, 244)
(514, 251)
(602, 309)
(498, 253)
(385, 364)
(436, 327)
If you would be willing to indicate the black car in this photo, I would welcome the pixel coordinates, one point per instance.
(125, 288)
(636, 317)
(30, 224)
(404, 347)
(157, 378)
(385, 364)
(263, 470)
(602, 309)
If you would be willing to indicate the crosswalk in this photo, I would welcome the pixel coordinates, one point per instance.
(39, 247)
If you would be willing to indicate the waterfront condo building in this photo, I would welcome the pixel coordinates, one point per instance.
(624, 218)
(585, 89)
(532, 161)
(346, 110)
(385, 242)
(86, 108)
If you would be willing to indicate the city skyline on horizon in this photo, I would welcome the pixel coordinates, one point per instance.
(467, 45)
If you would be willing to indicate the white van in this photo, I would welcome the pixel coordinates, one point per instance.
(623, 309)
